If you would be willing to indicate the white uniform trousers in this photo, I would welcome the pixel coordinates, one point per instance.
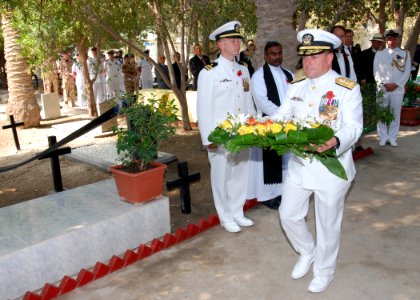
(329, 206)
(395, 102)
(113, 90)
(229, 179)
(81, 101)
(99, 91)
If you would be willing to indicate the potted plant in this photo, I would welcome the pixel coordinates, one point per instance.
(149, 122)
(410, 112)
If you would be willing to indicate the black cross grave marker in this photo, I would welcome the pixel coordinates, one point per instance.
(55, 162)
(13, 125)
(184, 185)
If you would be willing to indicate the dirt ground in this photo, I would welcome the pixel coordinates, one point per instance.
(34, 180)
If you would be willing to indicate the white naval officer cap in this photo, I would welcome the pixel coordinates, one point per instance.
(229, 30)
(392, 32)
(314, 41)
(377, 37)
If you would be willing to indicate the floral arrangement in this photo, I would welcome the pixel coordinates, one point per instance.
(302, 138)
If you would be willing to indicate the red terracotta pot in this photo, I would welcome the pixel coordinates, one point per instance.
(410, 115)
(140, 187)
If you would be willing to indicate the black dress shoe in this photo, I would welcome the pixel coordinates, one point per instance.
(272, 203)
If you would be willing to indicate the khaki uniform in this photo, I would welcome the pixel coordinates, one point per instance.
(129, 70)
(67, 81)
(50, 76)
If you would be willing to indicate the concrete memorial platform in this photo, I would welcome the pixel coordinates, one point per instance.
(44, 239)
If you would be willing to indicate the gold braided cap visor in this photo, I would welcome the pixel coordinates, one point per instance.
(228, 35)
(312, 50)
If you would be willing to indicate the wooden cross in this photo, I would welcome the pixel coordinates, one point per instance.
(13, 125)
(184, 186)
(55, 162)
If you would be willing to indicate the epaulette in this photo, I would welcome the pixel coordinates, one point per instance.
(243, 63)
(298, 79)
(345, 82)
(210, 66)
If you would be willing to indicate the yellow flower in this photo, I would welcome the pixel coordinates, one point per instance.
(261, 129)
(316, 125)
(245, 129)
(276, 128)
(290, 126)
(226, 124)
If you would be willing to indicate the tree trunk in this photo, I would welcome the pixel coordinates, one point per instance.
(22, 103)
(413, 37)
(382, 16)
(277, 25)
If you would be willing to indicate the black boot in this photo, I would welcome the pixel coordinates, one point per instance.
(272, 203)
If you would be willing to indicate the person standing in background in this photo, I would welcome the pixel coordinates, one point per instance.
(197, 63)
(391, 68)
(269, 86)
(224, 88)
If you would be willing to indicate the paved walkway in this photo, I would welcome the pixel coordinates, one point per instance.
(379, 257)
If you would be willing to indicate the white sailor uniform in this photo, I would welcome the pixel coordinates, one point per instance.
(391, 66)
(224, 89)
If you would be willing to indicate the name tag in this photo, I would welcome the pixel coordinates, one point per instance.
(296, 99)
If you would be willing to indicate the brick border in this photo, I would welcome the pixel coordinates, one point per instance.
(68, 284)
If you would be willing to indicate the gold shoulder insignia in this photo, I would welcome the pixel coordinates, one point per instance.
(243, 63)
(345, 82)
(210, 66)
(298, 79)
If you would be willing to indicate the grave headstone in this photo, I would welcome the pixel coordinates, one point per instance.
(107, 126)
(50, 106)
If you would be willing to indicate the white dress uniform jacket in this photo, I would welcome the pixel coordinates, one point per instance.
(224, 89)
(392, 66)
(306, 99)
(112, 73)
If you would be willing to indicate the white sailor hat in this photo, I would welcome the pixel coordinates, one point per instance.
(377, 37)
(314, 41)
(392, 32)
(229, 30)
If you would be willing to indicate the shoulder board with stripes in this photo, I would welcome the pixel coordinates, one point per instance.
(298, 79)
(243, 63)
(210, 66)
(345, 82)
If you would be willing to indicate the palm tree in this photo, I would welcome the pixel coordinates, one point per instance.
(275, 23)
(22, 103)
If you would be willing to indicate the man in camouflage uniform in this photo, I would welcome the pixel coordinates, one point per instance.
(129, 71)
(50, 76)
(67, 78)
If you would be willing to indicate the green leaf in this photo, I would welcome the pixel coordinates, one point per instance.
(296, 137)
(218, 136)
(334, 166)
(320, 133)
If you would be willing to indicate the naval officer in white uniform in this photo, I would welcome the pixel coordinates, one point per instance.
(223, 88)
(391, 68)
(336, 101)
